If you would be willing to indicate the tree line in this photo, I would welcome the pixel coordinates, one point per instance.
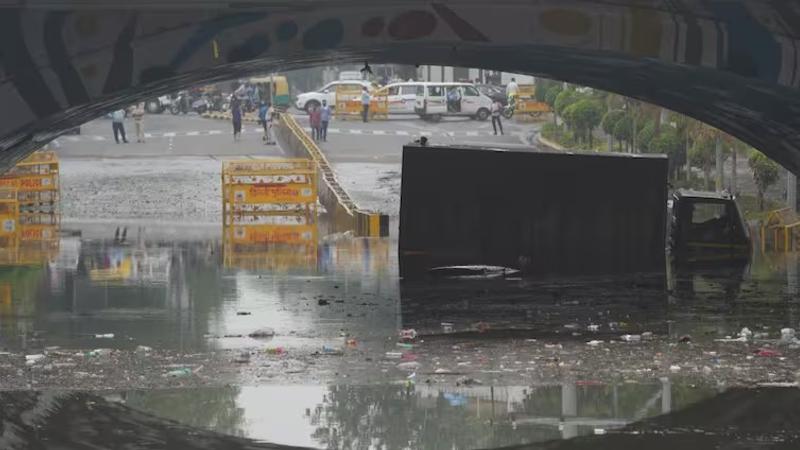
(632, 126)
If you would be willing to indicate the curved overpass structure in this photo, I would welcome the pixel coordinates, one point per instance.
(730, 63)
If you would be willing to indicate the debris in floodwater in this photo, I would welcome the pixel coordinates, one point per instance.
(405, 345)
(323, 302)
(647, 335)
(331, 351)
(594, 343)
(143, 349)
(104, 336)
(442, 371)
(675, 368)
(408, 365)
(788, 336)
(275, 350)
(482, 327)
(243, 313)
(242, 358)
(408, 356)
(447, 327)
(394, 355)
(631, 337)
(599, 431)
(351, 343)
(685, 339)
(262, 333)
(746, 333)
(766, 352)
(476, 271)
(99, 352)
(178, 373)
(408, 334)
(33, 359)
(593, 328)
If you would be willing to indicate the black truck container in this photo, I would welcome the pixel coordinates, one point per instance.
(549, 214)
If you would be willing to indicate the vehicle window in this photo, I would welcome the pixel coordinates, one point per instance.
(394, 90)
(471, 91)
(408, 90)
(329, 86)
(420, 90)
(435, 91)
(706, 212)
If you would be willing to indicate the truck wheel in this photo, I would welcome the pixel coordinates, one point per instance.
(483, 114)
(508, 113)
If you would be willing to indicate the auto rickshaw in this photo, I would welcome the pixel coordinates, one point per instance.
(274, 89)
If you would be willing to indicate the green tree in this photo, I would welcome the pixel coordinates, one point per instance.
(702, 155)
(610, 120)
(669, 143)
(646, 135)
(623, 130)
(565, 99)
(583, 117)
(543, 87)
(765, 173)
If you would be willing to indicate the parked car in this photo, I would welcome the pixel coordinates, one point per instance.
(307, 100)
(435, 100)
(401, 96)
(494, 92)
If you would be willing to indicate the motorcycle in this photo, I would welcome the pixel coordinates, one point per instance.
(508, 111)
(180, 104)
(201, 105)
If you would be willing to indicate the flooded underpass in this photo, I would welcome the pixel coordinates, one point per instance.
(138, 321)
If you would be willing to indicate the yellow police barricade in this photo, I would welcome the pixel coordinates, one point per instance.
(379, 105)
(35, 180)
(528, 108)
(348, 102)
(269, 214)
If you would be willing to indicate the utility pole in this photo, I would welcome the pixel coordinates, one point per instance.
(720, 175)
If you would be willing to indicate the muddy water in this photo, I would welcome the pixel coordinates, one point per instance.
(497, 362)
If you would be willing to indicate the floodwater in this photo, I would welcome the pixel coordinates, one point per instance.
(496, 362)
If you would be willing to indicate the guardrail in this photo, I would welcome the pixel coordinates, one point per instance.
(342, 209)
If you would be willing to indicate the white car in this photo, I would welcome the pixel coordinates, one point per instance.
(328, 93)
(434, 101)
(401, 96)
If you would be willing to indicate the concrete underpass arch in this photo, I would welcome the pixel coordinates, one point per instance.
(732, 64)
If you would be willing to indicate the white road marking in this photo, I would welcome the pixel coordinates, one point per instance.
(192, 133)
(169, 135)
(355, 132)
(334, 130)
(401, 133)
(378, 132)
(472, 133)
(98, 138)
(148, 135)
(212, 132)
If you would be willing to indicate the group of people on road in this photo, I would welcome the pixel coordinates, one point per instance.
(266, 116)
(118, 123)
(319, 117)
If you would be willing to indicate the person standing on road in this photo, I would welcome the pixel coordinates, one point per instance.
(497, 109)
(271, 116)
(118, 125)
(236, 117)
(325, 118)
(315, 119)
(365, 99)
(138, 118)
(262, 118)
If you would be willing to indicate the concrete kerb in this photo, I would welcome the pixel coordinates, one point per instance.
(247, 118)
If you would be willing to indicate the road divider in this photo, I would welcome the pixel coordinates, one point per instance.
(341, 208)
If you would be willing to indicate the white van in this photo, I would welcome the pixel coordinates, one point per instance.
(401, 96)
(435, 100)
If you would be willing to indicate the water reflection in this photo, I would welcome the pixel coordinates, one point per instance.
(430, 417)
(182, 290)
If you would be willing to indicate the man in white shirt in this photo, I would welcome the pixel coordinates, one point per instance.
(512, 90)
(118, 125)
(365, 99)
